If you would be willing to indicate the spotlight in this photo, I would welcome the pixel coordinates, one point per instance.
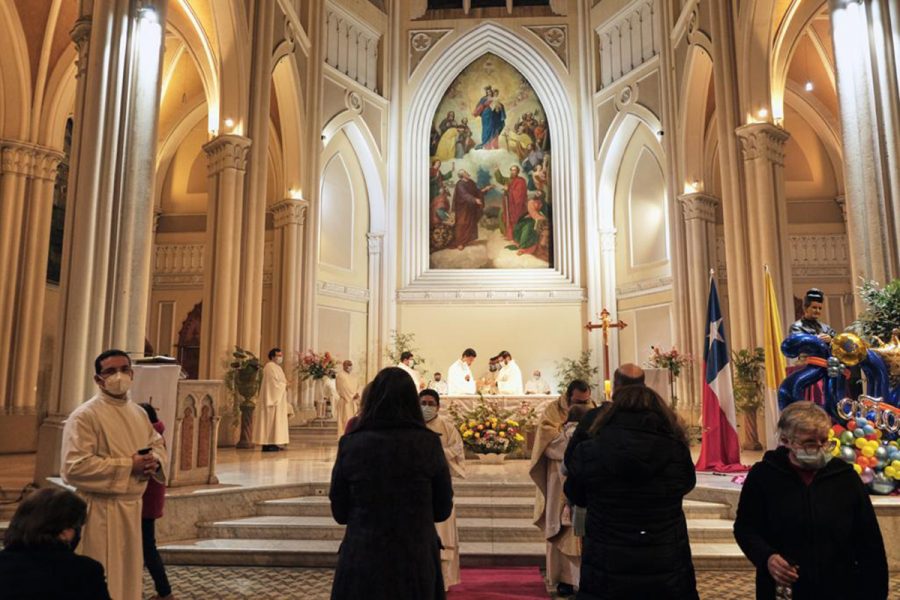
(809, 85)
(229, 123)
(763, 113)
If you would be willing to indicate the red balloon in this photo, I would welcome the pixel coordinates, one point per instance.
(851, 425)
(838, 429)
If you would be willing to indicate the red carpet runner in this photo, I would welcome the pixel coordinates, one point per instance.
(519, 583)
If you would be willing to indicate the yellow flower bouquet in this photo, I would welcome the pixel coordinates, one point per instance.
(487, 429)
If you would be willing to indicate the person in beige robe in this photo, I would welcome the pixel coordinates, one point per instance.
(563, 551)
(109, 451)
(455, 453)
(270, 418)
(346, 403)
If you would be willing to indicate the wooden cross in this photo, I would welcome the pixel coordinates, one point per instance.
(605, 324)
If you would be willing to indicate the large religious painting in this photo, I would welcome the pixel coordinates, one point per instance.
(489, 192)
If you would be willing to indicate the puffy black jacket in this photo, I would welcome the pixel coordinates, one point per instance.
(50, 573)
(827, 528)
(632, 477)
(390, 485)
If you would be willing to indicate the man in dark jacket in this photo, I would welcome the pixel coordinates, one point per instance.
(806, 521)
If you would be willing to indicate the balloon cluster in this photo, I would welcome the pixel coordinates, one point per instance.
(876, 460)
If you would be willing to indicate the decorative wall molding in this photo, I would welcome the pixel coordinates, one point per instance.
(492, 296)
(823, 256)
(644, 287)
(762, 140)
(351, 46)
(557, 39)
(421, 41)
(628, 40)
(342, 291)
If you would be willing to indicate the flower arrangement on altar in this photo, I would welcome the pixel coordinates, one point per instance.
(674, 362)
(312, 365)
(488, 429)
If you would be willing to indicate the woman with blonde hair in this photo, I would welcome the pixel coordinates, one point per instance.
(806, 520)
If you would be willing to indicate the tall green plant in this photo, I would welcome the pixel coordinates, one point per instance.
(404, 342)
(243, 378)
(568, 370)
(749, 371)
(882, 313)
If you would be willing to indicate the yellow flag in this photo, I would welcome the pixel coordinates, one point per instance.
(775, 364)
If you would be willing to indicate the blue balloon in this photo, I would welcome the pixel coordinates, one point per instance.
(870, 415)
(859, 432)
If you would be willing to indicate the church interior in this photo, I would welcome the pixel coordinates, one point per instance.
(181, 178)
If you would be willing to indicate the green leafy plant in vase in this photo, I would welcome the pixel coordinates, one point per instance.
(243, 379)
(749, 371)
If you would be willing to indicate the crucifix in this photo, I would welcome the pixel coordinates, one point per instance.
(605, 324)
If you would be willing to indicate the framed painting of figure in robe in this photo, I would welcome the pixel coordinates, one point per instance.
(490, 196)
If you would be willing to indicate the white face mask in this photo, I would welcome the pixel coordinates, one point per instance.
(812, 460)
(429, 412)
(536, 376)
(279, 360)
(117, 384)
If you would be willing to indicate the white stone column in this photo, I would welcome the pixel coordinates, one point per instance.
(376, 321)
(16, 164)
(762, 146)
(33, 278)
(227, 156)
(699, 211)
(254, 223)
(866, 39)
(105, 271)
(287, 280)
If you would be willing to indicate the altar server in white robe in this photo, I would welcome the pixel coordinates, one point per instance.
(455, 453)
(438, 384)
(509, 379)
(407, 362)
(109, 452)
(460, 381)
(551, 439)
(537, 385)
(270, 418)
(347, 400)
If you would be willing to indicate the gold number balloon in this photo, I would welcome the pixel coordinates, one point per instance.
(849, 348)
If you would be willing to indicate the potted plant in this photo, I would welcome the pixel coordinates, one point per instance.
(404, 342)
(672, 361)
(569, 370)
(749, 368)
(882, 314)
(243, 378)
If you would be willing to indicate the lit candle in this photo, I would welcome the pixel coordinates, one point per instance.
(607, 389)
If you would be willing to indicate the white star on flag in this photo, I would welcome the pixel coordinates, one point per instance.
(714, 332)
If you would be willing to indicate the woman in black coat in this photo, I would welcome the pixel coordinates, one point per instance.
(390, 484)
(38, 561)
(807, 521)
(632, 476)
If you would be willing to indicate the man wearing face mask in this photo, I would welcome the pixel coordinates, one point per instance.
(537, 385)
(109, 451)
(801, 513)
(509, 378)
(270, 418)
(407, 362)
(455, 453)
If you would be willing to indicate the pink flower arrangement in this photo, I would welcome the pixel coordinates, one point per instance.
(312, 365)
(673, 360)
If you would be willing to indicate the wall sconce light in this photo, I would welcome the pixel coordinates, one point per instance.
(763, 113)
(229, 123)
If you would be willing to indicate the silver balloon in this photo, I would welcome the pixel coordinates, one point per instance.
(848, 454)
(882, 484)
(881, 453)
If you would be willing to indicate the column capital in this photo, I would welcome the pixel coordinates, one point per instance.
(290, 211)
(762, 140)
(227, 151)
(698, 205)
(376, 242)
(81, 35)
(16, 157)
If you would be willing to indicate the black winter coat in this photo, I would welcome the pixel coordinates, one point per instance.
(827, 528)
(390, 484)
(51, 573)
(632, 477)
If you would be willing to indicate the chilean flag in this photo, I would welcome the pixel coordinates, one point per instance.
(719, 450)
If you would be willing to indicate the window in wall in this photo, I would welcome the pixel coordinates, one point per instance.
(58, 218)
(444, 4)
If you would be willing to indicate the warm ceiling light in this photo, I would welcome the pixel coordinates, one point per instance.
(229, 123)
(763, 113)
(809, 85)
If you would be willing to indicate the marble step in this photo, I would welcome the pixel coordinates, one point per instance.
(470, 529)
(323, 553)
(466, 506)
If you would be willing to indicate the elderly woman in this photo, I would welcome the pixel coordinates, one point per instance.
(806, 521)
(390, 485)
(38, 560)
(632, 475)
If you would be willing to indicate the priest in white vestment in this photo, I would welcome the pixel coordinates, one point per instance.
(509, 379)
(438, 384)
(109, 452)
(460, 381)
(346, 404)
(407, 362)
(537, 385)
(563, 551)
(455, 453)
(270, 419)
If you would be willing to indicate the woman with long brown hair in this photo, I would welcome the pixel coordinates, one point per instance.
(632, 475)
